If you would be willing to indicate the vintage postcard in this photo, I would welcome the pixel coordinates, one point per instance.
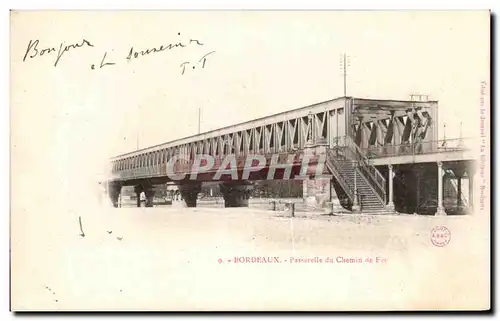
(250, 160)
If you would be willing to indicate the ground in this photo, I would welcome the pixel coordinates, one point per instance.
(174, 258)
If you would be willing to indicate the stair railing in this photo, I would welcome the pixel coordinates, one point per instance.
(333, 162)
(370, 172)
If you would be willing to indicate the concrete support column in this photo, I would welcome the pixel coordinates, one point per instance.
(236, 194)
(390, 204)
(114, 193)
(150, 193)
(189, 193)
(440, 208)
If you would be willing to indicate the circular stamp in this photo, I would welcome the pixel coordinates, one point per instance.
(440, 236)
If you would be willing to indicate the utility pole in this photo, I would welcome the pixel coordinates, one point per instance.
(461, 140)
(345, 62)
(199, 120)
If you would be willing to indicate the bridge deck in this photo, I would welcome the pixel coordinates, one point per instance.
(448, 156)
(438, 151)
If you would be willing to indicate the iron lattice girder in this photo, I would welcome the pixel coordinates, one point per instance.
(391, 122)
(380, 122)
(234, 164)
(391, 105)
(273, 138)
(368, 110)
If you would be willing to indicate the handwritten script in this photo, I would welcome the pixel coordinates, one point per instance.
(35, 51)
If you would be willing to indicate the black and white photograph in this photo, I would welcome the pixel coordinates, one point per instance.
(250, 160)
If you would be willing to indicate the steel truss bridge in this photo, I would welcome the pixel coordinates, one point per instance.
(365, 142)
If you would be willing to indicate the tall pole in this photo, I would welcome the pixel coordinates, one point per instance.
(460, 140)
(199, 119)
(345, 99)
(345, 75)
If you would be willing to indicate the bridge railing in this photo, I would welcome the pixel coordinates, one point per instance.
(333, 162)
(370, 172)
(420, 148)
(351, 151)
(184, 166)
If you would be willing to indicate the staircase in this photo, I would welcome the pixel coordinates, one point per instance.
(353, 172)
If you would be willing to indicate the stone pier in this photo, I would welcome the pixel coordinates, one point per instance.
(317, 186)
(189, 192)
(114, 191)
(148, 191)
(316, 193)
(236, 194)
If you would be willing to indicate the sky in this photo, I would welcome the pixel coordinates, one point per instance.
(71, 117)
